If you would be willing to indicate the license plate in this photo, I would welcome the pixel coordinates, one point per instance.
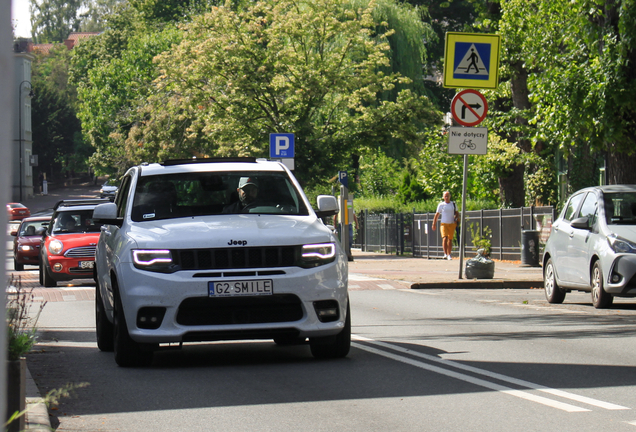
(86, 264)
(241, 288)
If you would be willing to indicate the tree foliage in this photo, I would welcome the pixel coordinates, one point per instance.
(313, 68)
(53, 20)
(56, 130)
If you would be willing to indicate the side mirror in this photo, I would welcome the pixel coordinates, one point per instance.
(581, 223)
(107, 214)
(327, 206)
(14, 233)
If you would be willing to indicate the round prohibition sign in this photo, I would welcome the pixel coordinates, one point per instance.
(469, 107)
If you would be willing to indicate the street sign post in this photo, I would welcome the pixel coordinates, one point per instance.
(471, 60)
(469, 108)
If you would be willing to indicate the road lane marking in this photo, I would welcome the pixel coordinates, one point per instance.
(386, 286)
(472, 380)
(500, 377)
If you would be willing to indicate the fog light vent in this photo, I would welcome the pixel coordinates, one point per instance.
(327, 310)
(150, 317)
(57, 267)
(616, 278)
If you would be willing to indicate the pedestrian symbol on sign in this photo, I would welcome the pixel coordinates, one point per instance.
(471, 60)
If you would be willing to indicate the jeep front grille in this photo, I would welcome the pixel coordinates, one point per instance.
(80, 252)
(236, 258)
(197, 311)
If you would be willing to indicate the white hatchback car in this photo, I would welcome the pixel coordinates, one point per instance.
(592, 246)
(217, 249)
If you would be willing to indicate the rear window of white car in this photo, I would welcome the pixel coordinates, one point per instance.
(214, 193)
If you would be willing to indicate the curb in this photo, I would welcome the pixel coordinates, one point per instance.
(37, 415)
(481, 284)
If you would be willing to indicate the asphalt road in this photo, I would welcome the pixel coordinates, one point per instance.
(422, 360)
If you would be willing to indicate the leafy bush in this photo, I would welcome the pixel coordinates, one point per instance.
(21, 327)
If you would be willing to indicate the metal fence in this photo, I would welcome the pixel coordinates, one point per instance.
(411, 233)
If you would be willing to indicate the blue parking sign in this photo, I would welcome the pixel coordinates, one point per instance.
(343, 178)
(281, 145)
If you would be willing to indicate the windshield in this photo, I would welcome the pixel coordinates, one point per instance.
(620, 208)
(33, 228)
(206, 193)
(75, 221)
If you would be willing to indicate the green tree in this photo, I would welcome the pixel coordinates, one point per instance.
(98, 12)
(53, 20)
(110, 90)
(56, 129)
(313, 68)
(572, 64)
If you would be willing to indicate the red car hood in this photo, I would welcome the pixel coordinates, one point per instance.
(76, 240)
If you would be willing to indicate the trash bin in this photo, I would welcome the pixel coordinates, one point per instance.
(530, 248)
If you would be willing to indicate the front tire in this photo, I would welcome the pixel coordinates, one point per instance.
(104, 330)
(17, 266)
(553, 293)
(333, 346)
(600, 298)
(45, 277)
(128, 353)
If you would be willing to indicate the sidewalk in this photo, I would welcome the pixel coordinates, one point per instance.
(422, 273)
(37, 417)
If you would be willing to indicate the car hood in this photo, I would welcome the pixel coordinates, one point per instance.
(76, 240)
(30, 240)
(109, 188)
(230, 231)
(626, 231)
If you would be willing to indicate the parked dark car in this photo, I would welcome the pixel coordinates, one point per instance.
(592, 246)
(26, 244)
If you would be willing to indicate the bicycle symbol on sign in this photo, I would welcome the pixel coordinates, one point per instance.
(467, 143)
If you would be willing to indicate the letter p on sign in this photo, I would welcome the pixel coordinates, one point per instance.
(281, 145)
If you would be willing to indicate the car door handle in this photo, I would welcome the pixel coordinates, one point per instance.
(105, 230)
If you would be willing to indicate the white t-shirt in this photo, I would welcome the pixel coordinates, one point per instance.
(447, 211)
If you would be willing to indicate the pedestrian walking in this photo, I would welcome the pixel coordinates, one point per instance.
(447, 211)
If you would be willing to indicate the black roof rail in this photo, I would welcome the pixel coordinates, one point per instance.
(79, 202)
(171, 162)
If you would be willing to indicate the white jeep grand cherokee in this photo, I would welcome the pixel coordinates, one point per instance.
(217, 249)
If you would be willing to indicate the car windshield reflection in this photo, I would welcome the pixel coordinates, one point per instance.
(620, 208)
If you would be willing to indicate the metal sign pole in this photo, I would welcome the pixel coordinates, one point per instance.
(344, 220)
(462, 235)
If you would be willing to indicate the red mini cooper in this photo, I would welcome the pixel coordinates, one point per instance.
(68, 246)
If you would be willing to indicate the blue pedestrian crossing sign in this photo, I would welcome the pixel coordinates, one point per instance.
(281, 145)
(471, 60)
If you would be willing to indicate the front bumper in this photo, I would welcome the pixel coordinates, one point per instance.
(183, 311)
(64, 268)
(621, 278)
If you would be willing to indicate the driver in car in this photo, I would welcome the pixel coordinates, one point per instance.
(248, 192)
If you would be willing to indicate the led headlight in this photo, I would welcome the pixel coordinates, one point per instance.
(314, 255)
(26, 248)
(621, 245)
(56, 247)
(159, 260)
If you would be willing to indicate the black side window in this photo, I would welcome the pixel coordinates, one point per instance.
(122, 196)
